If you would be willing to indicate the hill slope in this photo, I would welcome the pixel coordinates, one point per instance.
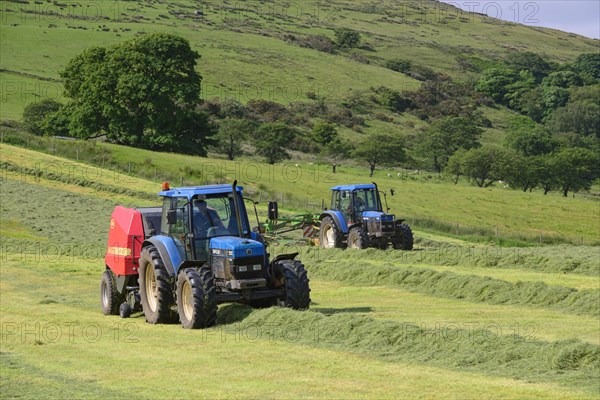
(248, 49)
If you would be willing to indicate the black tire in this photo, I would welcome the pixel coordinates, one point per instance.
(358, 238)
(295, 280)
(109, 295)
(404, 239)
(125, 310)
(154, 275)
(196, 298)
(329, 234)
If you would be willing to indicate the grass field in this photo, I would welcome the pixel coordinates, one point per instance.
(500, 298)
(425, 200)
(473, 319)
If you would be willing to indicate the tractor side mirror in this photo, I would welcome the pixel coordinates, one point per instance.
(171, 217)
(273, 211)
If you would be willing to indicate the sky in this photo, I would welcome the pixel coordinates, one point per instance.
(578, 16)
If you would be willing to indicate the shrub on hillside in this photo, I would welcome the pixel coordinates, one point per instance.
(36, 115)
(347, 38)
(398, 65)
(266, 110)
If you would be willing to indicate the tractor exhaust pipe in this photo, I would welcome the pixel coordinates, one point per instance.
(379, 198)
(236, 205)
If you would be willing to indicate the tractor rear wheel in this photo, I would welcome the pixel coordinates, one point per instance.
(329, 235)
(155, 289)
(357, 238)
(295, 281)
(404, 238)
(196, 298)
(110, 299)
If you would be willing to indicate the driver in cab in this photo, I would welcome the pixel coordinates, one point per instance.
(205, 218)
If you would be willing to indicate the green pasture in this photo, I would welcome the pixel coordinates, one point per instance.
(425, 200)
(56, 343)
(368, 334)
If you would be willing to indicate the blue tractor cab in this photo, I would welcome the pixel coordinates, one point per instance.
(356, 219)
(205, 253)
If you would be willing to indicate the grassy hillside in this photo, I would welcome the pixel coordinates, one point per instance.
(426, 201)
(471, 319)
(246, 48)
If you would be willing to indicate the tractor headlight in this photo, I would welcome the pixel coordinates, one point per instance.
(257, 267)
(242, 268)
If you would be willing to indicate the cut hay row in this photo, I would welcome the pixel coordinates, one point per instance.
(582, 260)
(58, 217)
(64, 176)
(569, 362)
(465, 287)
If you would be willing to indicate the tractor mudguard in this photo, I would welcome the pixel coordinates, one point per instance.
(281, 257)
(339, 219)
(168, 252)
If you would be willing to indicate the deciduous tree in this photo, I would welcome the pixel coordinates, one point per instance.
(35, 115)
(272, 140)
(447, 135)
(487, 165)
(380, 149)
(143, 92)
(231, 135)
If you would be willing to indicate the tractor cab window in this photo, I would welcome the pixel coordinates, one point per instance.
(214, 216)
(341, 200)
(366, 200)
(179, 228)
(211, 217)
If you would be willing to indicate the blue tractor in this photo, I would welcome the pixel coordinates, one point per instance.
(356, 220)
(197, 251)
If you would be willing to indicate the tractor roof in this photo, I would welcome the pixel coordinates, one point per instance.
(354, 187)
(191, 192)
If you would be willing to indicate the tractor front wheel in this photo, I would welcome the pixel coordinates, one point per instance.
(155, 290)
(110, 299)
(329, 235)
(404, 239)
(196, 298)
(294, 279)
(357, 238)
